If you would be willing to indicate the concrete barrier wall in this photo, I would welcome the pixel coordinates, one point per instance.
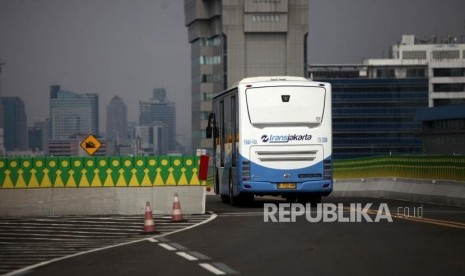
(98, 201)
(429, 191)
(52, 186)
(410, 167)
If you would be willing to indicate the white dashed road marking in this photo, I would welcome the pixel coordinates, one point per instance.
(187, 256)
(167, 247)
(215, 268)
(212, 269)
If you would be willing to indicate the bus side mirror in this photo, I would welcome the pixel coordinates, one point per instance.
(211, 130)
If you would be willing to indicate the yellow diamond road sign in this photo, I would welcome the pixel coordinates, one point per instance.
(91, 144)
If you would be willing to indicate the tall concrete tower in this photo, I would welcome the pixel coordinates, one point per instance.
(231, 40)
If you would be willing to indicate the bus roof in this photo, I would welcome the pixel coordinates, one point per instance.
(269, 78)
(263, 79)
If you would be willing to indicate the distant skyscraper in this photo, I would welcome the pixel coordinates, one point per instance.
(72, 114)
(231, 40)
(14, 124)
(160, 111)
(38, 136)
(152, 140)
(117, 121)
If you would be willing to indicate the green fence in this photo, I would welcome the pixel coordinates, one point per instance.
(81, 172)
(415, 167)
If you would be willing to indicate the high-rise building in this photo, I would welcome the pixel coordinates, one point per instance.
(381, 106)
(14, 124)
(72, 114)
(231, 40)
(151, 140)
(117, 121)
(444, 59)
(38, 136)
(159, 111)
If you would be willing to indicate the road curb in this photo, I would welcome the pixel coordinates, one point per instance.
(450, 193)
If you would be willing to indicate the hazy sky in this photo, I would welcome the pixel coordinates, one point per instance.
(129, 47)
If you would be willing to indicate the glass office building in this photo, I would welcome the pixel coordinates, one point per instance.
(14, 123)
(72, 114)
(374, 110)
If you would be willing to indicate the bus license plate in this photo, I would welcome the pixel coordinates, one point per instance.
(286, 186)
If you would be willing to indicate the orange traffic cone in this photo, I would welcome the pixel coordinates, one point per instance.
(177, 214)
(149, 224)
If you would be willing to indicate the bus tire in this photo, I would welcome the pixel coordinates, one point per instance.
(232, 199)
(217, 182)
(225, 199)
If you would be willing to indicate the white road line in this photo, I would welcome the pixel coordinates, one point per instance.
(178, 246)
(241, 214)
(187, 256)
(225, 268)
(199, 256)
(212, 269)
(152, 240)
(167, 247)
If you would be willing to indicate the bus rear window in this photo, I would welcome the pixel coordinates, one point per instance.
(292, 105)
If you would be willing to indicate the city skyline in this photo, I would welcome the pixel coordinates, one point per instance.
(126, 49)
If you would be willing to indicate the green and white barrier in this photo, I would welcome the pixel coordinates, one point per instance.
(78, 172)
(50, 186)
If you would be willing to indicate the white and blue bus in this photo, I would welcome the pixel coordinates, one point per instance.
(272, 136)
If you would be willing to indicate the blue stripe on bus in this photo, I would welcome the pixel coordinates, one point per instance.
(263, 179)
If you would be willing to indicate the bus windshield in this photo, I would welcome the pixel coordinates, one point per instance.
(290, 105)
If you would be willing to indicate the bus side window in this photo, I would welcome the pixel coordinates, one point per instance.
(222, 132)
(234, 129)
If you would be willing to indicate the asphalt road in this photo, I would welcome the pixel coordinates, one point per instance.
(27, 241)
(238, 241)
